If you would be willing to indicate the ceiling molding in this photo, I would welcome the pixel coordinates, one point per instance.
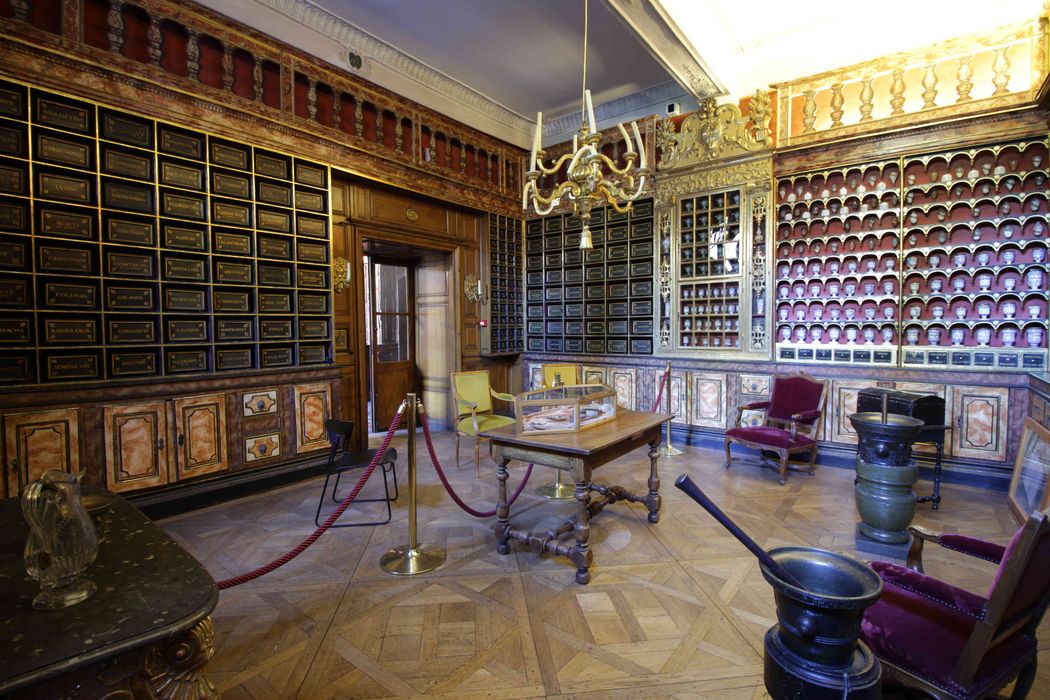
(371, 47)
(668, 45)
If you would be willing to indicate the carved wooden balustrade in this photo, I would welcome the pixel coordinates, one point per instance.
(203, 53)
(966, 76)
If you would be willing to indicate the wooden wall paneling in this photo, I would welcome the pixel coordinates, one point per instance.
(312, 406)
(200, 435)
(755, 385)
(137, 445)
(842, 401)
(435, 344)
(623, 381)
(676, 392)
(981, 414)
(36, 441)
(928, 388)
(348, 314)
(707, 399)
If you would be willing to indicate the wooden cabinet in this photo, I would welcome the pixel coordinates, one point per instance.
(841, 403)
(137, 451)
(312, 406)
(980, 414)
(200, 435)
(707, 399)
(36, 441)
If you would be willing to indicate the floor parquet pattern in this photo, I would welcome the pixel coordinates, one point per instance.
(674, 610)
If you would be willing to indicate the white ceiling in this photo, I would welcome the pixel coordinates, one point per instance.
(494, 63)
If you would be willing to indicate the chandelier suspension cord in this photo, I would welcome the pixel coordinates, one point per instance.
(583, 91)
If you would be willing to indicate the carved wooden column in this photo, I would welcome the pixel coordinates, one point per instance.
(337, 108)
(964, 75)
(257, 78)
(153, 39)
(929, 82)
(399, 133)
(193, 54)
(897, 92)
(115, 24)
(359, 117)
(311, 99)
(227, 66)
(380, 126)
(20, 10)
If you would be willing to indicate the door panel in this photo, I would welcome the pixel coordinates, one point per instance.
(708, 399)
(980, 422)
(393, 331)
(37, 441)
(843, 401)
(200, 433)
(312, 406)
(136, 445)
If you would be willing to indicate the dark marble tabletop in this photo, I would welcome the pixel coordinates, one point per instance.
(148, 588)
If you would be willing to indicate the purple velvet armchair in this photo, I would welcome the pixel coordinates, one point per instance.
(952, 643)
(793, 413)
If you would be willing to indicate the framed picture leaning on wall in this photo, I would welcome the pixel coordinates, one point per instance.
(1030, 483)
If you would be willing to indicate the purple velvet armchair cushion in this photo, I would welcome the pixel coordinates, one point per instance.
(773, 437)
(921, 625)
(1035, 579)
(989, 551)
(793, 395)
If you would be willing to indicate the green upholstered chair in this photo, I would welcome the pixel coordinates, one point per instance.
(474, 413)
(562, 374)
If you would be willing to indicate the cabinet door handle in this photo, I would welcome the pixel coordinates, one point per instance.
(181, 440)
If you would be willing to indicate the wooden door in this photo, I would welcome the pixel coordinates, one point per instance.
(37, 441)
(980, 414)
(200, 435)
(136, 445)
(393, 342)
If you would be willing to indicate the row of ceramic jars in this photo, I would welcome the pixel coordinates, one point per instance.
(842, 183)
(874, 243)
(983, 187)
(965, 309)
(1034, 203)
(715, 291)
(984, 257)
(710, 324)
(849, 311)
(980, 336)
(833, 289)
(849, 265)
(962, 282)
(715, 309)
(966, 235)
(706, 341)
(835, 334)
(962, 167)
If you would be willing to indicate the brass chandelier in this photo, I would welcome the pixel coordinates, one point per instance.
(592, 178)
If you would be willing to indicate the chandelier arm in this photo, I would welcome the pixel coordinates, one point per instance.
(587, 151)
(554, 168)
(609, 163)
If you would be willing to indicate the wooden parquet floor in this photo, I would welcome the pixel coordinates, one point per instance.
(674, 610)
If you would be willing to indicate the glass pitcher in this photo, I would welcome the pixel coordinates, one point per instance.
(62, 541)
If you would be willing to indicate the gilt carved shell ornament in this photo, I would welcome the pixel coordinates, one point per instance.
(715, 131)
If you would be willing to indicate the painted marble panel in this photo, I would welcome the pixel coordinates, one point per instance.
(708, 399)
(622, 381)
(981, 415)
(754, 384)
(843, 402)
(136, 445)
(259, 447)
(260, 403)
(200, 423)
(594, 375)
(38, 441)
(312, 402)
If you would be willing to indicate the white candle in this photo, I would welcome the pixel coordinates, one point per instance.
(641, 147)
(626, 138)
(590, 111)
(536, 141)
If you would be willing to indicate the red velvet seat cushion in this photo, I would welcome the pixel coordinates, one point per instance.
(774, 437)
(911, 630)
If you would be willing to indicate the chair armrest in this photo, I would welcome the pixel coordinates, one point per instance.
(501, 396)
(805, 416)
(754, 406)
(945, 594)
(971, 546)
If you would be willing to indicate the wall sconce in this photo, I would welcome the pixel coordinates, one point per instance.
(472, 288)
(340, 275)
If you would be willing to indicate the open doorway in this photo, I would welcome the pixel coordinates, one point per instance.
(409, 329)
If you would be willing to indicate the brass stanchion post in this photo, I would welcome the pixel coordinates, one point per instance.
(669, 450)
(413, 558)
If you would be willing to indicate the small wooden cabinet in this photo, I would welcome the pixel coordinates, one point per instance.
(137, 450)
(980, 414)
(37, 441)
(200, 435)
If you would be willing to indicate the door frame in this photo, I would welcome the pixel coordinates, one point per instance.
(413, 331)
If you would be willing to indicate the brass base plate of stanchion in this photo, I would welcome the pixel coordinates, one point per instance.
(405, 561)
(557, 491)
(670, 450)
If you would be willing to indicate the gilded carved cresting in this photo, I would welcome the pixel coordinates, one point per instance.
(715, 131)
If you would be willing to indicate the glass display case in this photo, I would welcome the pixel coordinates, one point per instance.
(564, 409)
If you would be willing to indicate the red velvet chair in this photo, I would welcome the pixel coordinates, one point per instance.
(951, 643)
(793, 414)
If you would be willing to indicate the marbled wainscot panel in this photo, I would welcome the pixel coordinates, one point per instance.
(260, 447)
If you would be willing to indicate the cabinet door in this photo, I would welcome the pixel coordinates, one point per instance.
(312, 406)
(37, 441)
(707, 399)
(136, 448)
(200, 435)
(980, 415)
(841, 403)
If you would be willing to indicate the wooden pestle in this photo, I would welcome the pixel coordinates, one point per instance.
(684, 483)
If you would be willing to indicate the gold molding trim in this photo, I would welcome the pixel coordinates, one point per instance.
(714, 132)
(748, 174)
(341, 275)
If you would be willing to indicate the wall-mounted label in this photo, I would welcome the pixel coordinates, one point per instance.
(183, 269)
(132, 332)
(1008, 360)
(184, 300)
(232, 214)
(72, 367)
(841, 356)
(129, 298)
(83, 331)
(181, 176)
(938, 358)
(182, 144)
(912, 357)
(13, 217)
(15, 330)
(12, 179)
(271, 303)
(314, 228)
(961, 359)
(313, 328)
(12, 103)
(313, 304)
(271, 167)
(14, 254)
(276, 357)
(226, 242)
(130, 364)
(1033, 361)
(79, 296)
(133, 232)
(274, 193)
(64, 116)
(56, 150)
(233, 329)
(187, 361)
(278, 276)
(184, 238)
(231, 301)
(66, 223)
(277, 221)
(233, 359)
(65, 188)
(231, 185)
(312, 355)
(229, 156)
(54, 259)
(311, 201)
(127, 130)
(120, 195)
(275, 329)
(984, 359)
(310, 175)
(313, 252)
(127, 164)
(275, 248)
(805, 353)
(881, 357)
(183, 206)
(14, 368)
(129, 264)
(184, 330)
(227, 272)
(313, 279)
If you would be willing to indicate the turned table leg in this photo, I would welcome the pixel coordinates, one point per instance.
(502, 508)
(653, 500)
(582, 556)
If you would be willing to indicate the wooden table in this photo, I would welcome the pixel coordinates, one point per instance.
(146, 631)
(581, 453)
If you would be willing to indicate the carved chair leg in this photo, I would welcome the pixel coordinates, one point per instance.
(1024, 681)
(783, 467)
(728, 457)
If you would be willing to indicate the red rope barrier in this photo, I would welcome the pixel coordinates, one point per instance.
(288, 556)
(448, 486)
(660, 393)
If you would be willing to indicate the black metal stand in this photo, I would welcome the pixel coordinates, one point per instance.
(935, 498)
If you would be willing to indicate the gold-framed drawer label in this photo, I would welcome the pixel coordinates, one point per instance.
(80, 296)
(56, 259)
(84, 331)
(132, 331)
(231, 213)
(185, 269)
(233, 329)
(15, 330)
(65, 188)
(72, 367)
(235, 243)
(187, 361)
(231, 301)
(233, 358)
(121, 264)
(72, 224)
(185, 300)
(183, 330)
(132, 232)
(182, 206)
(124, 363)
(129, 298)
